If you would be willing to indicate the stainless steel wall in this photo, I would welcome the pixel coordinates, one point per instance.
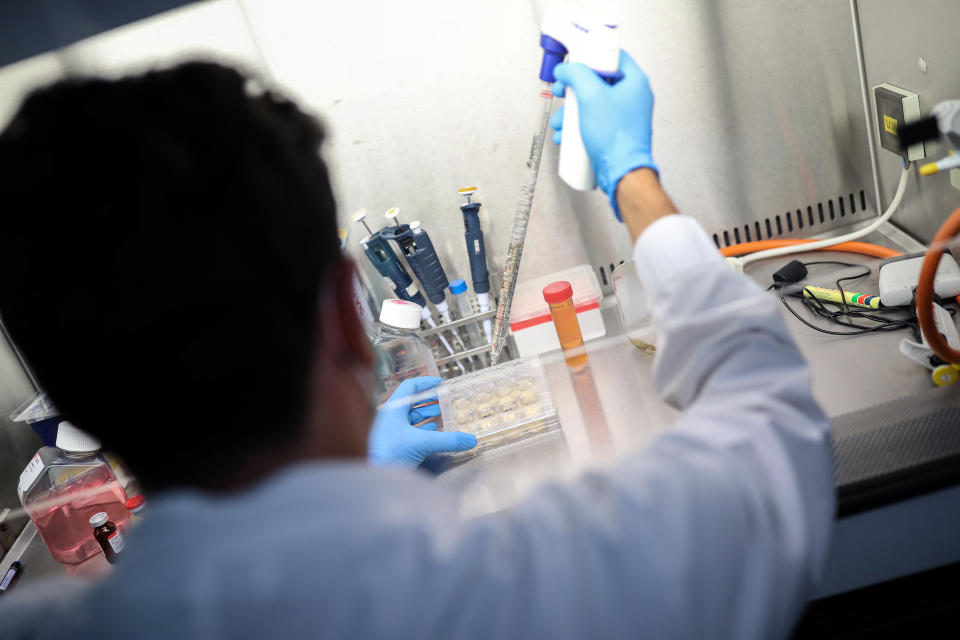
(759, 126)
(18, 442)
(895, 36)
(759, 115)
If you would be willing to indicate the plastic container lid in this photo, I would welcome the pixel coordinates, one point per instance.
(135, 503)
(400, 314)
(73, 440)
(36, 408)
(530, 309)
(98, 519)
(557, 292)
(510, 416)
(458, 286)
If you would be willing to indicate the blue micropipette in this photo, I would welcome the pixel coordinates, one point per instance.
(422, 258)
(477, 254)
(385, 261)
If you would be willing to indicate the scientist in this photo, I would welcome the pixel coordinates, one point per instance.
(171, 273)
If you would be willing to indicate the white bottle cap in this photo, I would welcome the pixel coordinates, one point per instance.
(400, 314)
(98, 519)
(73, 440)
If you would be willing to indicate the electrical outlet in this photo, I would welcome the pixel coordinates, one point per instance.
(955, 178)
(896, 106)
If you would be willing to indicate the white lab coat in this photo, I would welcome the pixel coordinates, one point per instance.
(718, 529)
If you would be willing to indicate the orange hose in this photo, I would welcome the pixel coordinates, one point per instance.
(931, 260)
(864, 248)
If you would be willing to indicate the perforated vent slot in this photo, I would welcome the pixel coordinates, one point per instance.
(605, 273)
(789, 222)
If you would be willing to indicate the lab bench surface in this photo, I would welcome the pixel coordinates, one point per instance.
(611, 408)
(901, 524)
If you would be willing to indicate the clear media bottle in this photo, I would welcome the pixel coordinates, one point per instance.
(559, 295)
(63, 486)
(107, 536)
(401, 353)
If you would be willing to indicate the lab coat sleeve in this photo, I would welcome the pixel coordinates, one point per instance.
(719, 528)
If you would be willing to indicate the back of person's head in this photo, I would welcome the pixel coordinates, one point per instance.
(166, 238)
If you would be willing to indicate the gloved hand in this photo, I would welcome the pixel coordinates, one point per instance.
(393, 438)
(615, 121)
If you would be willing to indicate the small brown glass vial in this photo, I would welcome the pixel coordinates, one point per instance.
(108, 536)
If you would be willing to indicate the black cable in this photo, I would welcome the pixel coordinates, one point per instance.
(845, 315)
(892, 326)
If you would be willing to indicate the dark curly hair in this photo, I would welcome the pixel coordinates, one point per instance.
(166, 237)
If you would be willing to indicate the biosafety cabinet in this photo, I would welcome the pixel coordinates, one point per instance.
(773, 121)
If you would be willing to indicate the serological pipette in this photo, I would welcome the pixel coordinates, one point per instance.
(587, 39)
(520, 221)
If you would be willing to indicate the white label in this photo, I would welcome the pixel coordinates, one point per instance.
(7, 579)
(31, 473)
(117, 543)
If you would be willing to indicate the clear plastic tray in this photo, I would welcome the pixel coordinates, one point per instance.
(500, 405)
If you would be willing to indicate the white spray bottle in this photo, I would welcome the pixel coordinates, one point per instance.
(588, 39)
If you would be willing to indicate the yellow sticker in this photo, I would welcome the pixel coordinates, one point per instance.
(890, 125)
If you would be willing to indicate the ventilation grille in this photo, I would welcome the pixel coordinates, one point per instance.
(793, 221)
(776, 227)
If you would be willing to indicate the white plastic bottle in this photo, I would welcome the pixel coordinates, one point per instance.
(401, 353)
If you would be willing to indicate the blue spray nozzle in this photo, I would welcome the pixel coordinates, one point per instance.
(458, 286)
(553, 54)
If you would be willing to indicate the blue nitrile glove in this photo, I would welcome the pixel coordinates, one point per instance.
(615, 120)
(393, 438)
